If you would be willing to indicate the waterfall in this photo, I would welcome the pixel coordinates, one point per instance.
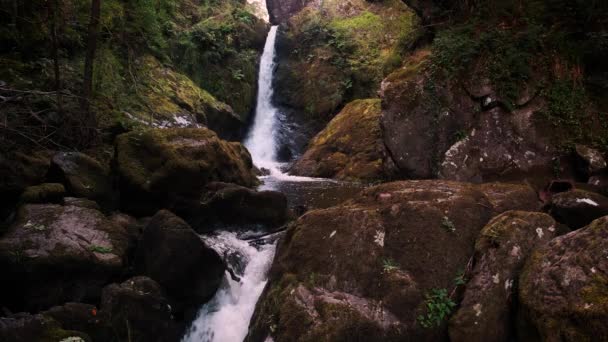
(226, 317)
(262, 139)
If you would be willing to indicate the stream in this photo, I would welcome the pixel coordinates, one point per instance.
(226, 317)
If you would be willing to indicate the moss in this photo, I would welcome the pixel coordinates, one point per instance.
(48, 192)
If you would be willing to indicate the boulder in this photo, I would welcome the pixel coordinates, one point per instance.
(82, 317)
(83, 177)
(172, 254)
(349, 148)
(43, 193)
(72, 251)
(433, 127)
(233, 204)
(488, 306)
(577, 208)
(158, 168)
(562, 289)
(24, 327)
(81, 202)
(364, 270)
(138, 311)
(590, 161)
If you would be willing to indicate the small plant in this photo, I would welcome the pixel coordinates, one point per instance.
(35, 226)
(460, 278)
(100, 249)
(448, 225)
(460, 135)
(439, 306)
(389, 265)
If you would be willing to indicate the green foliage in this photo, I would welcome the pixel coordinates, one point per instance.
(448, 225)
(567, 101)
(100, 249)
(439, 306)
(389, 265)
(460, 279)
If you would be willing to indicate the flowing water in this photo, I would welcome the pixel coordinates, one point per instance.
(226, 317)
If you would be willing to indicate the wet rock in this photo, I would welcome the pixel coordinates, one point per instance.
(172, 254)
(138, 311)
(322, 288)
(486, 311)
(577, 208)
(349, 148)
(43, 193)
(81, 202)
(281, 10)
(234, 204)
(82, 317)
(590, 161)
(159, 168)
(54, 254)
(83, 177)
(562, 289)
(24, 327)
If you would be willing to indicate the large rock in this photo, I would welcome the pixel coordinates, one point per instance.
(83, 177)
(590, 161)
(361, 270)
(460, 132)
(158, 168)
(350, 147)
(53, 254)
(82, 317)
(488, 306)
(138, 311)
(280, 11)
(43, 193)
(24, 327)
(577, 208)
(233, 204)
(172, 254)
(563, 288)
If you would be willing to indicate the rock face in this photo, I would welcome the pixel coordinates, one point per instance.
(281, 10)
(159, 168)
(577, 208)
(361, 270)
(563, 287)
(500, 251)
(72, 251)
(234, 204)
(137, 310)
(84, 177)
(444, 129)
(350, 147)
(173, 255)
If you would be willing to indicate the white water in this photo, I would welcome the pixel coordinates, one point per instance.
(262, 139)
(226, 317)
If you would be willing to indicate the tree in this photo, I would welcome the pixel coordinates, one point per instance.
(87, 93)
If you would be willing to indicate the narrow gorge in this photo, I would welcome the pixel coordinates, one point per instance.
(303, 170)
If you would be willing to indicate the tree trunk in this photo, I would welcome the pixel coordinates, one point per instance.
(54, 36)
(87, 93)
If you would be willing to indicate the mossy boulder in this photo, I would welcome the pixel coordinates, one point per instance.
(361, 270)
(171, 99)
(54, 254)
(43, 193)
(84, 177)
(577, 208)
(563, 288)
(174, 255)
(350, 147)
(137, 310)
(24, 327)
(434, 126)
(82, 317)
(488, 308)
(158, 168)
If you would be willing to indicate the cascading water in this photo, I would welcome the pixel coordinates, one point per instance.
(226, 317)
